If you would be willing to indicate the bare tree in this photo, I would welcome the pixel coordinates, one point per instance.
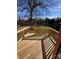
(34, 7)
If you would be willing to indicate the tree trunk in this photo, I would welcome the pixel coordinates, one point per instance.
(31, 17)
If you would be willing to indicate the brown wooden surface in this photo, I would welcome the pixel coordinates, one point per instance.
(58, 43)
(29, 49)
(35, 48)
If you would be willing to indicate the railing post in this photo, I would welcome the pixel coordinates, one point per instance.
(58, 42)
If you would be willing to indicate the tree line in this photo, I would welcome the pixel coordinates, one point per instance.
(54, 23)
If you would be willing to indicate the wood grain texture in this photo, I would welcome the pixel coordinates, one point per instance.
(42, 45)
(29, 49)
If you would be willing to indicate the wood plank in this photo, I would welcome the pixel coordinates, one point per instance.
(29, 49)
(25, 28)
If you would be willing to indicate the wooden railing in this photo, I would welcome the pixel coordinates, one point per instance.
(22, 32)
(49, 46)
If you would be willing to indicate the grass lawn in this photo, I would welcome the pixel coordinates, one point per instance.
(41, 27)
(35, 27)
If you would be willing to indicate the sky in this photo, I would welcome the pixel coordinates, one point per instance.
(55, 12)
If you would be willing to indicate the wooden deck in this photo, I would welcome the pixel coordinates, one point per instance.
(37, 44)
(29, 49)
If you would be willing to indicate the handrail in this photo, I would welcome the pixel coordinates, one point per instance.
(23, 29)
(22, 32)
(52, 34)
